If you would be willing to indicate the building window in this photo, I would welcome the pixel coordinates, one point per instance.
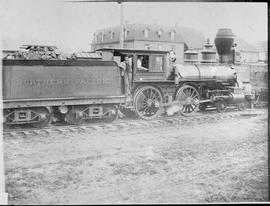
(172, 35)
(125, 32)
(111, 34)
(102, 37)
(159, 33)
(146, 32)
(147, 46)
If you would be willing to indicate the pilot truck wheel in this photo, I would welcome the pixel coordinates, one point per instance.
(221, 106)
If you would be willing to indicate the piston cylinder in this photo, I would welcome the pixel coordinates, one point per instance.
(236, 98)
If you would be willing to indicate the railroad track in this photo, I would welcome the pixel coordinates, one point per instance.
(128, 123)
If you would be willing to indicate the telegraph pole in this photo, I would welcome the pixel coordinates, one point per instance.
(3, 194)
(121, 40)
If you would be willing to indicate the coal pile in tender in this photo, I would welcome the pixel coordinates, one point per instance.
(37, 52)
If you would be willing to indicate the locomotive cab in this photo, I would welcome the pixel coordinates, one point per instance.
(154, 64)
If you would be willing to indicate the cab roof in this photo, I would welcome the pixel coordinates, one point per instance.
(131, 50)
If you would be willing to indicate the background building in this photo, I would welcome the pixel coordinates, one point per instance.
(262, 48)
(248, 52)
(154, 37)
(179, 39)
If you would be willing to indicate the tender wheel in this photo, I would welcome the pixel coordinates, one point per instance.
(221, 106)
(23, 117)
(44, 116)
(74, 116)
(188, 100)
(125, 112)
(6, 125)
(109, 113)
(147, 102)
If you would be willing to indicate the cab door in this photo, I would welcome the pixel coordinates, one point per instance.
(155, 64)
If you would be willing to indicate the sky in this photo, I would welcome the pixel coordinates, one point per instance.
(70, 26)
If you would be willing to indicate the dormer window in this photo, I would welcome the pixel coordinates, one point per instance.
(172, 35)
(102, 36)
(146, 32)
(111, 34)
(159, 33)
(125, 32)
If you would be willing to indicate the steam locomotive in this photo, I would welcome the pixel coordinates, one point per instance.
(75, 90)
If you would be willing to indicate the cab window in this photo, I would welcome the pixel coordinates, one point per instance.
(143, 63)
(157, 64)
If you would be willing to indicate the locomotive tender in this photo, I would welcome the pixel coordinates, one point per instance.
(35, 90)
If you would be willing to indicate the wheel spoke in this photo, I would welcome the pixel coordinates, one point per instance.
(182, 96)
(145, 95)
(185, 108)
(189, 91)
(189, 106)
(145, 109)
(185, 93)
(153, 96)
(150, 93)
(193, 93)
(188, 109)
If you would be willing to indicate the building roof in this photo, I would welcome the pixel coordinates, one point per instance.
(189, 36)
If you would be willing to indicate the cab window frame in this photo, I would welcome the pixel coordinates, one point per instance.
(149, 62)
(153, 63)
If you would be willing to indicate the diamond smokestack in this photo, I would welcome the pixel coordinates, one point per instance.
(224, 41)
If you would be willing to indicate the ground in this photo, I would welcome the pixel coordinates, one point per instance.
(210, 161)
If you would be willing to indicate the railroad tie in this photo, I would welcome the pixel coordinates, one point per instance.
(73, 129)
(96, 127)
(51, 131)
(121, 125)
(111, 127)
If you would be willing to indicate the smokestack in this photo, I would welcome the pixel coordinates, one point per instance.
(224, 41)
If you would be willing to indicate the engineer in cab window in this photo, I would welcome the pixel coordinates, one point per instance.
(139, 64)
